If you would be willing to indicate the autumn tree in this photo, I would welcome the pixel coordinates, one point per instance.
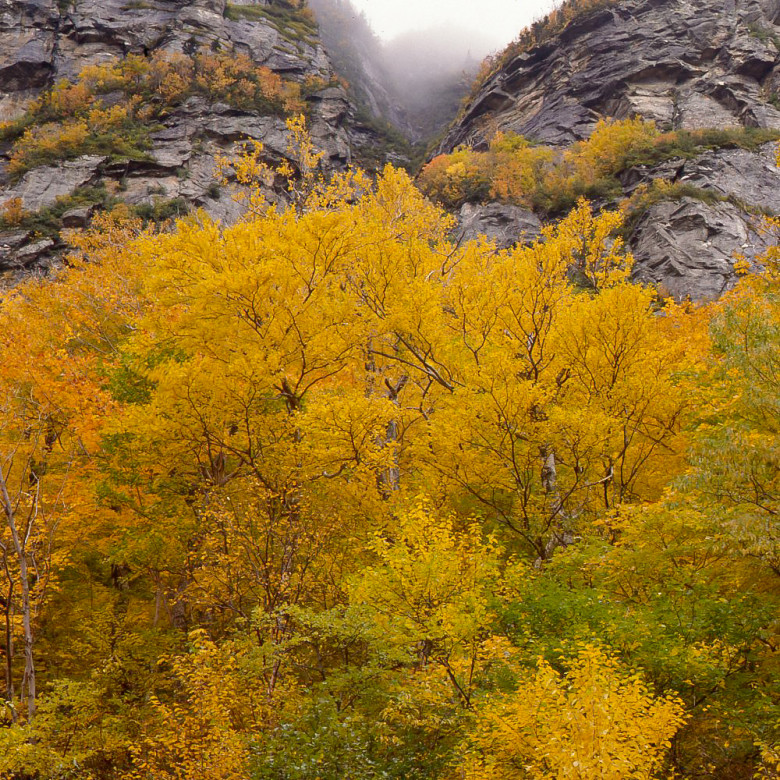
(198, 734)
(595, 721)
(430, 593)
(53, 404)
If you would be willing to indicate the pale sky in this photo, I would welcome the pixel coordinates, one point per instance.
(500, 20)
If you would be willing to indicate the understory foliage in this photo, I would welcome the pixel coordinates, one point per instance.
(594, 721)
(322, 495)
(513, 170)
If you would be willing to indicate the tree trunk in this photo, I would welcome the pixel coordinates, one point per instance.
(561, 534)
(389, 481)
(9, 636)
(20, 548)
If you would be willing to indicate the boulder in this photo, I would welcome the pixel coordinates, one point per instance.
(11, 241)
(77, 218)
(19, 255)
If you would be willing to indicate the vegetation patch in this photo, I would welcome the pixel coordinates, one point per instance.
(47, 222)
(113, 108)
(116, 132)
(763, 34)
(161, 210)
(513, 170)
(292, 21)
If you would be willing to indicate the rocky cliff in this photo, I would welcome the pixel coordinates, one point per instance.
(685, 64)
(174, 85)
(173, 133)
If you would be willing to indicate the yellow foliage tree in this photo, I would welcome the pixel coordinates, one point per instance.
(198, 735)
(537, 428)
(609, 146)
(429, 592)
(598, 721)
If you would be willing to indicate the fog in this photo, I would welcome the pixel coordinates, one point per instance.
(431, 71)
(497, 21)
(438, 50)
(416, 80)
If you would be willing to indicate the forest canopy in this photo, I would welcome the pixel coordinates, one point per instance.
(325, 494)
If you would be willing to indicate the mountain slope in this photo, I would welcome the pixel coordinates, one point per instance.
(220, 73)
(684, 65)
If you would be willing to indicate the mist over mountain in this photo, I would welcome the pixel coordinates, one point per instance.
(415, 81)
(436, 51)
(433, 71)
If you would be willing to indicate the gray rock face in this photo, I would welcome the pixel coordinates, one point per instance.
(688, 248)
(43, 41)
(505, 224)
(41, 187)
(683, 63)
(751, 177)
